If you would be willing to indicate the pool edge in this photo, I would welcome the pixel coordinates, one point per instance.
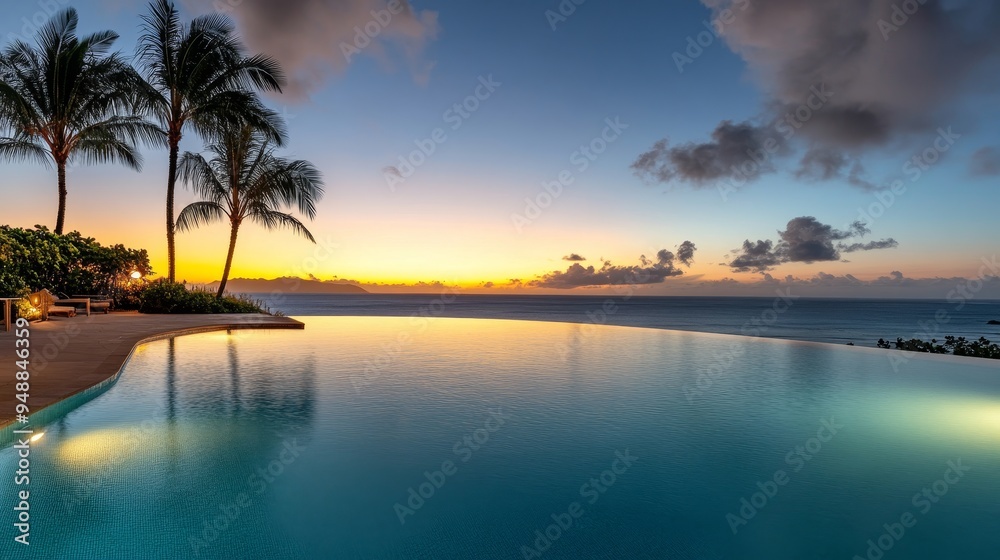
(53, 410)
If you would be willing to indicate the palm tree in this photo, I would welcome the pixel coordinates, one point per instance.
(67, 98)
(199, 75)
(244, 180)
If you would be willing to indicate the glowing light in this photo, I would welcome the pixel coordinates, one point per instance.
(37, 437)
(972, 419)
(94, 449)
(135, 275)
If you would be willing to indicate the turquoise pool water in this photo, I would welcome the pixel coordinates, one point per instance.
(392, 438)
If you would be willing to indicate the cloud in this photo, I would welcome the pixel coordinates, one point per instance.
(892, 285)
(685, 253)
(804, 240)
(823, 164)
(890, 79)
(986, 162)
(647, 272)
(870, 246)
(756, 256)
(894, 279)
(573, 257)
(702, 163)
(315, 39)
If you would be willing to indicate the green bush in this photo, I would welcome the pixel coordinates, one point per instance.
(958, 346)
(32, 259)
(166, 297)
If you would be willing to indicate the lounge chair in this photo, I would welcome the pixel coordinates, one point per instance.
(60, 310)
(51, 307)
(97, 303)
(64, 300)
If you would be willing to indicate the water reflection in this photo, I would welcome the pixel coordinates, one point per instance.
(194, 421)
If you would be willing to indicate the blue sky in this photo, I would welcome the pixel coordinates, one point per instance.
(451, 221)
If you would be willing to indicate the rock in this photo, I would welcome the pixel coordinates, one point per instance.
(994, 322)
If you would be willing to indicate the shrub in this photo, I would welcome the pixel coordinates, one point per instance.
(32, 259)
(162, 297)
(958, 346)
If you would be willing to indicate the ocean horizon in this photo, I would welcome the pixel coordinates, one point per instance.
(786, 316)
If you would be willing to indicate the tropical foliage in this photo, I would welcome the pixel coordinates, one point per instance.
(32, 259)
(169, 297)
(67, 99)
(200, 77)
(245, 181)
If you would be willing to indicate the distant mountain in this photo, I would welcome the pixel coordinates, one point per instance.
(287, 285)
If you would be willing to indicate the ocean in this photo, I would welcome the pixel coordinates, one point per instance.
(838, 321)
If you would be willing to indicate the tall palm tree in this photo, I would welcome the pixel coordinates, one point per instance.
(244, 180)
(200, 75)
(67, 98)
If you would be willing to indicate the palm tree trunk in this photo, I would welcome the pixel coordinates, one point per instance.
(171, 182)
(229, 259)
(61, 218)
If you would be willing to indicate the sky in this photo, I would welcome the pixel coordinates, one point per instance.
(578, 146)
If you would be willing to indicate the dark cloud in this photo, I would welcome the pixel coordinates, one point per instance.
(986, 162)
(755, 257)
(825, 164)
(804, 240)
(807, 240)
(647, 272)
(728, 154)
(685, 253)
(886, 82)
(573, 257)
(314, 39)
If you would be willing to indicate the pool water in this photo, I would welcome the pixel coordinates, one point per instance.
(400, 438)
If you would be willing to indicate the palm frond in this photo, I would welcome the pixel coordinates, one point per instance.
(271, 220)
(232, 109)
(12, 149)
(134, 129)
(58, 31)
(198, 214)
(246, 179)
(99, 148)
(199, 174)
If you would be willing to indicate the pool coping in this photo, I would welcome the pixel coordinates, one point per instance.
(67, 402)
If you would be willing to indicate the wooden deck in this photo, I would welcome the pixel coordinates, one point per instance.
(69, 355)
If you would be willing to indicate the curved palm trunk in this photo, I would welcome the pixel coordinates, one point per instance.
(61, 218)
(171, 183)
(229, 259)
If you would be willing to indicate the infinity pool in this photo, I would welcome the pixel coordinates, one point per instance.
(394, 438)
